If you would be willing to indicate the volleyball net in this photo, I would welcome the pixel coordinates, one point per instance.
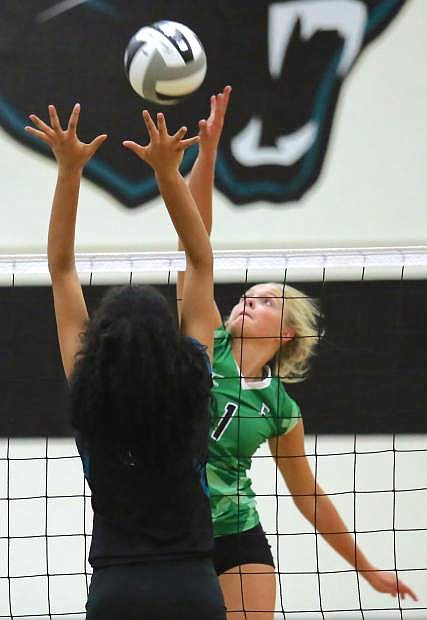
(363, 409)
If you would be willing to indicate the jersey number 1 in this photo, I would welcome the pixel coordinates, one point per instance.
(229, 411)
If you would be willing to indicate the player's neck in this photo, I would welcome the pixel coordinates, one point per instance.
(252, 355)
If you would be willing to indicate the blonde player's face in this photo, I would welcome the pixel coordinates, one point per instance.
(261, 313)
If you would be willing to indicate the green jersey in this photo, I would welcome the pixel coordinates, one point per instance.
(244, 416)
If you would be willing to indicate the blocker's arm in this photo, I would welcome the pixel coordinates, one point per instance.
(164, 154)
(202, 179)
(71, 155)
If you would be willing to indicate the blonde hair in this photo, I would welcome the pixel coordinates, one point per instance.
(300, 313)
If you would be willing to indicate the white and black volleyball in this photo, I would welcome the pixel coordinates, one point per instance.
(165, 62)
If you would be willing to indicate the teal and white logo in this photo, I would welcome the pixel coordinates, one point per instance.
(286, 61)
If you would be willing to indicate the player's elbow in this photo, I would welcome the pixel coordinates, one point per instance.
(305, 504)
(306, 499)
(201, 261)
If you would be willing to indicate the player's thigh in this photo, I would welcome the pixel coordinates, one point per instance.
(249, 592)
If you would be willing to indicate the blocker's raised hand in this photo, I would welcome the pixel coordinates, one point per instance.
(164, 152)
(69, 151)
(211, 128)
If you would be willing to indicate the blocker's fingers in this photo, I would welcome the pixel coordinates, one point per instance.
(213, 105)
(74, 118)
(184, 144)
(149, 123)
(41, 124)
(135, 148)
(225, 98)
(219, 105)
(161, 124)
(179, 134)
(203, 125)
(54, 120)
(96, 143)
(37, 134)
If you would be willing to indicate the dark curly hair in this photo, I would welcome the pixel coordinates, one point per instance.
(140, 390)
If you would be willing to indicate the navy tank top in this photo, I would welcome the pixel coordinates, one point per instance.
(135, 518)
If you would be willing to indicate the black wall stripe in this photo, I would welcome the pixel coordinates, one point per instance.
(370, 375)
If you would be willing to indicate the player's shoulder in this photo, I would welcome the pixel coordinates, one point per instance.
(280, 397)
(284, 410)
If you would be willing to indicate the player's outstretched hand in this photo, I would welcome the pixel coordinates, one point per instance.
(210, 129)
(388, 583)
(69, 151)
(164, 152)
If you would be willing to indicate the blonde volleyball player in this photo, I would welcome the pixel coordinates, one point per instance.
(140, 390)
(265, 337)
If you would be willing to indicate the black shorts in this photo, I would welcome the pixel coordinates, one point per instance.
(250, 547)
(176, 590)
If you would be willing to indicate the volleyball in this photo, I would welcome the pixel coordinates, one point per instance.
(165, 62)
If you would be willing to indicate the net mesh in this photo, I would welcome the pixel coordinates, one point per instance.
(378, 481)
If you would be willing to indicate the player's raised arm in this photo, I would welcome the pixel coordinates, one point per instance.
(71, 155)
(202, 175)
(164, 154)
(316, 506)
